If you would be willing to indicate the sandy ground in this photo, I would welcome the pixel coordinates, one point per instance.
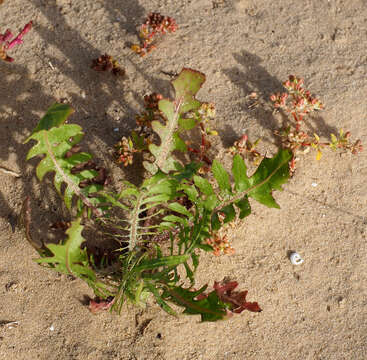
(317, 310)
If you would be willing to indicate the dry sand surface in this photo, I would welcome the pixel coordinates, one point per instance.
(317, 310)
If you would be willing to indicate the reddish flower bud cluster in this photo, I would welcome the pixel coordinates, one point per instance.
(302, 101)
(125, 151)
(357, 147)
(151, 101)
(246, 148)
(220, 245)
(141, 137)
(160, 23)
(298, 102)
(154, 25)
(279, 99)
(7, 44)
(152, 111)
(107, 63)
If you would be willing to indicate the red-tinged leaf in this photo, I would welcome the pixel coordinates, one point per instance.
(98, 305)
(250, 306)
(237, 299)
(224, 287)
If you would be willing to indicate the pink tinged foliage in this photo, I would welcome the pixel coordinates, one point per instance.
(7, 44)
(98, 305)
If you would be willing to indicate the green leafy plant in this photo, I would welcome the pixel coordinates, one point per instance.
(162, 225)
(152, 125)
(58, 141)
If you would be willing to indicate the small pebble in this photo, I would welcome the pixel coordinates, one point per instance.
(83, 94)
(296, 259)
(52, 327)
(116, 129)
(314, 184)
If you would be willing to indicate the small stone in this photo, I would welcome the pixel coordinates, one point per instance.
(116, 129)
(314, 184)
(52, 327)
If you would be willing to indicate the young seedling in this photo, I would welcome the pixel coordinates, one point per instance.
(7, 43)
(154, 26)
(107, 63)
(246, 149)
(297, 102)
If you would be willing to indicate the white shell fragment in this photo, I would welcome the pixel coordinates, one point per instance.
(11, 324)
(296, 259)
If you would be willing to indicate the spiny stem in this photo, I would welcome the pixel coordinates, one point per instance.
(166, 143)
(135, 222)
(76, 189)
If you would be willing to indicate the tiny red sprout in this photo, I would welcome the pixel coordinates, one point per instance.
(107, 63)
(243, 139)
(7, 44)
(154, 25)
